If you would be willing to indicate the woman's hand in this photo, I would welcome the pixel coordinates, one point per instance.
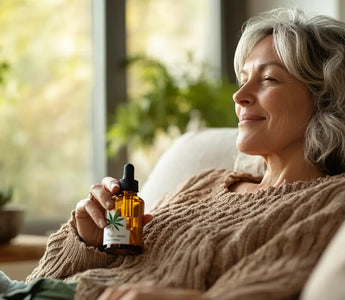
(148, 291)
(90, 212)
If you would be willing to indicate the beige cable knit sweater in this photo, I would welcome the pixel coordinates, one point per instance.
(204, 237)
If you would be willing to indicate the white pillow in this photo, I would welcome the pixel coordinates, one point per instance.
(191, 153)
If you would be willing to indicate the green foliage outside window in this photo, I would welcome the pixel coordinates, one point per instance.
(167, 102)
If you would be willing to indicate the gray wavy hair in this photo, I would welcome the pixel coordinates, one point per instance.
(313, 51)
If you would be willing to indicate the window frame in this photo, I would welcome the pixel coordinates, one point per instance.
(110, 82)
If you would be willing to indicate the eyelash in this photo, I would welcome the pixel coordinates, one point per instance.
(269, 78)
(266, 78)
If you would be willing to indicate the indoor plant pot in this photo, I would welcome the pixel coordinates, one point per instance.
(11, 222)
(11, 217)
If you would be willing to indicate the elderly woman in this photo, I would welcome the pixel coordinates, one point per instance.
(225, 235)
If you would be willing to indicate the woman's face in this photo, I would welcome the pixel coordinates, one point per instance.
(273, 107)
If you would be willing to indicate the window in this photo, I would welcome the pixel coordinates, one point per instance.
(45, 101)
(45, 104)
(170, 31)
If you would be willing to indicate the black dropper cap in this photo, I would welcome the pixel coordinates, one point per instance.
(128, 183)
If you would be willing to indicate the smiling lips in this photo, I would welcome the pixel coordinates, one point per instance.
(248, 118)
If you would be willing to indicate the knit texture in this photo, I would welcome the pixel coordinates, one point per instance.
(259, 245)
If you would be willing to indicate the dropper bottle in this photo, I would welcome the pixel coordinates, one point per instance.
(123, 233)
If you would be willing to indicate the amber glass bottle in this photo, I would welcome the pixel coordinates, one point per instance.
(123, 234)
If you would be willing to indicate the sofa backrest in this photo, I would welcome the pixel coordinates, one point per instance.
(190, 154)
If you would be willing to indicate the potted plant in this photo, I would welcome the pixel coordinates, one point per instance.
(167, 103)
(11, 216)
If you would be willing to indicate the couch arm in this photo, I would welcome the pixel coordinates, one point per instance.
(328, 277)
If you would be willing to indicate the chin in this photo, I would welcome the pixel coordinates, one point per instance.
(248, 150)
(249, 146)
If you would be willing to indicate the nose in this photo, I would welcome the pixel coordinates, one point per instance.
(244, 96)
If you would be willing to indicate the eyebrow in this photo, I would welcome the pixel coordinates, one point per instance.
(265, 65)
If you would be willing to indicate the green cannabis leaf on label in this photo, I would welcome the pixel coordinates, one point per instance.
(114, 220)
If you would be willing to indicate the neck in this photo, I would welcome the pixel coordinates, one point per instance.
(280, 170)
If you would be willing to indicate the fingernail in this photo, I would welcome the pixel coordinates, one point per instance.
(109, 204)
(114, 186)
(102, 223)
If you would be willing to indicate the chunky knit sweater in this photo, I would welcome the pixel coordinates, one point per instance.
(227, 245)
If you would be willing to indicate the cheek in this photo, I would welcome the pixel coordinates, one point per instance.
(287, 111)
(298, 114)
(299, 106)
(289, 125)
(288, 119)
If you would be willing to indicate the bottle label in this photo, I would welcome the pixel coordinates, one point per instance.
(116, 231)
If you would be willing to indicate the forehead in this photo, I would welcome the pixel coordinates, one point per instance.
(262, 55)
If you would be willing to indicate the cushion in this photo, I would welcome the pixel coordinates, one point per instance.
(190, 154)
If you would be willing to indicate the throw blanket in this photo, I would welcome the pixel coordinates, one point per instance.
(259, 245)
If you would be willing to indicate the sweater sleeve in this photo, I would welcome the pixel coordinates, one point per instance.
(67, 255)
(280, 268)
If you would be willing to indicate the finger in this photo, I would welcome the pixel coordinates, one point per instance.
(147, 219)
(95, 211)
(111, 184)
(84, 207)
(112, 294)
(102, 195)
(80, 209)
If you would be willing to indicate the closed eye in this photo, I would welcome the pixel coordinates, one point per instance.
(269, 78)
